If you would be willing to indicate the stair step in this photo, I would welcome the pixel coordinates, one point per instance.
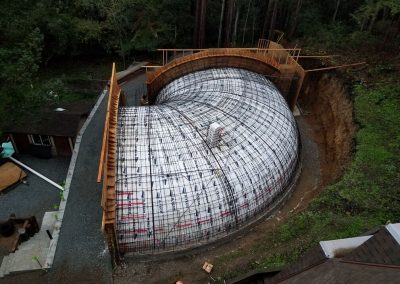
(36, 247)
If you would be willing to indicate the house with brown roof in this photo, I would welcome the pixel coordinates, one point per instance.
(51, 131)
(371, 258)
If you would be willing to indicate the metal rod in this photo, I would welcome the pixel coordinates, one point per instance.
(335, 67)
(36, 173)
(316, 56)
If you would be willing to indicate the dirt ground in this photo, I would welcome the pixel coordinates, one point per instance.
(327, 132)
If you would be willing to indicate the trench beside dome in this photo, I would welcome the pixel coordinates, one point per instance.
(174, 190)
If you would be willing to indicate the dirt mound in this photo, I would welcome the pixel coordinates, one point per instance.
(326, 101)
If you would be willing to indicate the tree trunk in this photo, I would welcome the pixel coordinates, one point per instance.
(293, 26)
(245, 22)
(121, 45)
(373, 20)
(203, 21)
(196, 23)
(363, 24)
(273, 20)
(234, 36)
(253, 26)
(228, 22)
(336, 11)
(175, 34)
(267, 19)
(287, 17)
(389, 31)
(200, 23)
(221, 18)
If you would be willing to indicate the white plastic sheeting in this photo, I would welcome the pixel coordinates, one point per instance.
(173, 190)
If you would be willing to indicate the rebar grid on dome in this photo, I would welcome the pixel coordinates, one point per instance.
(173, 190)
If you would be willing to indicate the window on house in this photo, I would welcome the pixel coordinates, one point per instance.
(41, 140)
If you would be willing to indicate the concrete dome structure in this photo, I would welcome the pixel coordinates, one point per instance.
(216, 151)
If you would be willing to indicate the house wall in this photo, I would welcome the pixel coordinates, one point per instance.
(62, 145)
(22, 144)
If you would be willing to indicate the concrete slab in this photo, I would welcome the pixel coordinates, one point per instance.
(36, 196)
(20, 262)
(4, 267)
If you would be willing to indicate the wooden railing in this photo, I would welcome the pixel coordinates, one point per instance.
(281, 55)
(107, 166)
(178, 62)
(210, 58)
(176, 53)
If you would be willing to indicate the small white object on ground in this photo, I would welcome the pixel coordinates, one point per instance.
(207, 267)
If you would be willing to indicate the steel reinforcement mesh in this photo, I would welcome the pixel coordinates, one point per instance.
(173, 190)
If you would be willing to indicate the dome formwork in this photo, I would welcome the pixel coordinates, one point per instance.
(217, 151)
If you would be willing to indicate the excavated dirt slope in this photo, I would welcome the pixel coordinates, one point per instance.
(326, 101)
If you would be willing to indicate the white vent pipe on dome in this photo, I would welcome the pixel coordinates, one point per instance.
(214, 134)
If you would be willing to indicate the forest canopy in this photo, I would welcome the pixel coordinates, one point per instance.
(34, 33)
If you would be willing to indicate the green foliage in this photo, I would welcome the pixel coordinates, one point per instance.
(370, 9)
(62, 195)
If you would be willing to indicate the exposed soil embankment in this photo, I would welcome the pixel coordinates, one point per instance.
(326, 102)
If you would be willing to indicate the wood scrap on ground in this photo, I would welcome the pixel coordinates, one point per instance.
(10, 174)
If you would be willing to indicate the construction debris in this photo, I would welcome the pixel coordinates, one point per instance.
(10, 174)
(16, 230)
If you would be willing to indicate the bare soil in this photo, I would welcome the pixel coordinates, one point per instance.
(327, 132)
(326, 101)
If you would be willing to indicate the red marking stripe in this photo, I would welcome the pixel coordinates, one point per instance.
(125, 192)
(204, 221)
(184, 225)
(130, 204)
(136, 231)
(133, 217)
(244, 205)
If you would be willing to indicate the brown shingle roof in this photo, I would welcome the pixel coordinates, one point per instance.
(47, 121)
(376, 260)
(309, 259)
(382, 248)
(334, 271)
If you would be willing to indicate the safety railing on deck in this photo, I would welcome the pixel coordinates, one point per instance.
(267, 52)
(278, 52)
